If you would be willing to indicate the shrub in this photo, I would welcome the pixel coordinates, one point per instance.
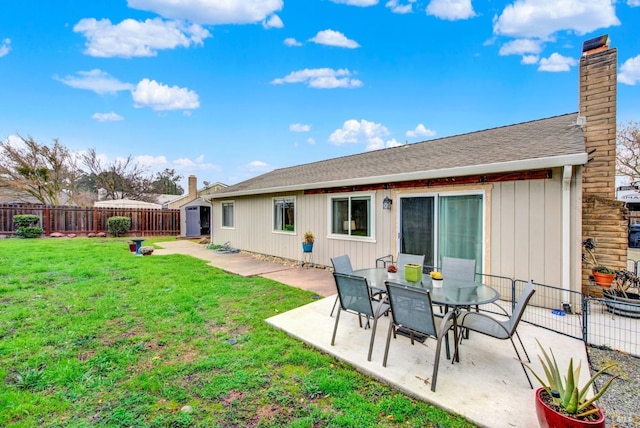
(29, 232)
(27, 226)
(119, 226)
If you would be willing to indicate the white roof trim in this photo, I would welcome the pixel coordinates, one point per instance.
(522, 165)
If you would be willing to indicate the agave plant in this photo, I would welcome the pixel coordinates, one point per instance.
(565, 392)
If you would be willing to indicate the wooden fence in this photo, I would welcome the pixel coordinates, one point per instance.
(84, 220)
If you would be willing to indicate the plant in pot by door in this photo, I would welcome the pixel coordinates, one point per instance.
(307, 244)
(602, 275)
(561, 402)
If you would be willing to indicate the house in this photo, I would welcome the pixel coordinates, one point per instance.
(518, 199)
(195, 212)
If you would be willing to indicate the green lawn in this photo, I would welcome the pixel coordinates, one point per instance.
(91, 335)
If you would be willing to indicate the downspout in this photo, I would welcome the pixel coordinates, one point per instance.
(210, 221)
(566, 237)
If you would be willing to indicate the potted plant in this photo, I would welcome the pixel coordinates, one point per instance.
(561, 402)
(146, 251)
(392, 271)
(307, 244)
(436, 278)
(602, 275)
(623, 297)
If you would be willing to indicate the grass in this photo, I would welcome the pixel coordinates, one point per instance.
(91, 335)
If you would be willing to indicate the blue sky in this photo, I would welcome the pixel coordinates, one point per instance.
(227, 90)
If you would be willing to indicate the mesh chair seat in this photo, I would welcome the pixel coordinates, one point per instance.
(490, 326)
(341, 264)
(354, 296)
(411, 309)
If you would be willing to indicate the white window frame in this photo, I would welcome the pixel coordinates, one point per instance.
(233, 218)
(371, 213)
(273, 214)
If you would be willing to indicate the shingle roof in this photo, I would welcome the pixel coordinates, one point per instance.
(544, 139)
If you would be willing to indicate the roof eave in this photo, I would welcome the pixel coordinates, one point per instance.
(521, 165)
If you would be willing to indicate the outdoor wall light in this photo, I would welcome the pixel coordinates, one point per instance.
(386, 203)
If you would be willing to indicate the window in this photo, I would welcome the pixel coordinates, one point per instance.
(284, 214)
(227, 213)
(351, 216)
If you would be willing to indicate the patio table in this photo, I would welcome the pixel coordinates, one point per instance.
(455, 294)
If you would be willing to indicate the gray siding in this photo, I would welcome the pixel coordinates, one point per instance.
(523, 229)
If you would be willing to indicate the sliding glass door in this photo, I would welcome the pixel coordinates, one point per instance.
(417, 221)
(442, 225)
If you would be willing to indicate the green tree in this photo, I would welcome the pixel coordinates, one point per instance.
(166, 182)
(628, 151)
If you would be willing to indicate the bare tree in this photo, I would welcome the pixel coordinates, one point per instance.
(120, 179)
(46, 173)
(628, 151)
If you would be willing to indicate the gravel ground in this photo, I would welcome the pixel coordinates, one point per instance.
(621, 402)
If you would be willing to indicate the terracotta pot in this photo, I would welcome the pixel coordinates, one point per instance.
(132, 247)
(603, 279)
(550, 418)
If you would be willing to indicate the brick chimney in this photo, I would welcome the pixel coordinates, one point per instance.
(193, 187)
(598, 81)
(603, 217)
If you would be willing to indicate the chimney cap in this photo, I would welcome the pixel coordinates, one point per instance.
(595, 43)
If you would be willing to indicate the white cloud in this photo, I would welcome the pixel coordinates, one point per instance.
(396, 6)
(186, 164)
(630, 71)
(107, 117)
(274, 21)
(334, 38)
(633, 3)
(364, 132)
(361, 3)
(290, 41)
(155, 162)
(420, 131)
(542, 18)
(529, 59)
(95, 80)
(299, 127)
(321, 78)
(520, 47)
(256, 166)
(5, 47)
(132, 38)
(557, 62)
(149, 93)
(311, 141)
(451, 10)
(211, 11)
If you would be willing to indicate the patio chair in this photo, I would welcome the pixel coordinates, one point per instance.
(411, 311)
(341, 264)
(355, 297)
(461, 269)
(502, 329)
(400, 261)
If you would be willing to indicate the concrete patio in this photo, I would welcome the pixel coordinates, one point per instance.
(487, 386)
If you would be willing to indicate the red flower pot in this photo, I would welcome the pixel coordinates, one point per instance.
(550, 418)
(603, 279)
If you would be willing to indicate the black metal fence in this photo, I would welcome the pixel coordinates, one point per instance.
(604, 322)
